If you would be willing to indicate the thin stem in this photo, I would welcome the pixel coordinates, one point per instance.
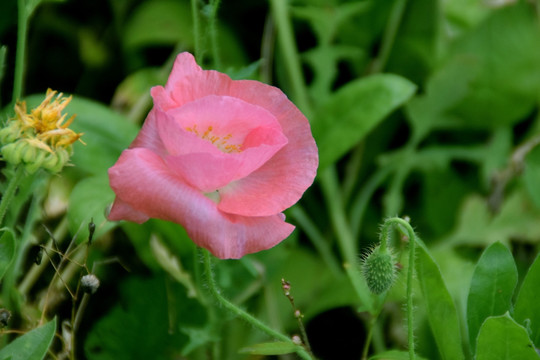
(196, 30)
(368, 337)
(317, 239)
(213, 33)
(402, 224)
(330, 188)
(286, 38)
(389, 36)
(241, 313)
(9, 194)
(21, 48)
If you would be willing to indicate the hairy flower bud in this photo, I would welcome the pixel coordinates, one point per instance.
(379, 270)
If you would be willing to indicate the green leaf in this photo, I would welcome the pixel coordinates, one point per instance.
(394, 355)
(31, 346)
(441, 311)
(106, 134)
(501, 338)
(7, 250)
(354, 110)
(531, 175)
(88, 202)
(504, 48)
(526, 306)
(161, 22)
(153, 318)
(517, 218)
(271, 348)
(492, 287)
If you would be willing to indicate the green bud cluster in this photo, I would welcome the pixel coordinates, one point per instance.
(16, 149)
(379, 270)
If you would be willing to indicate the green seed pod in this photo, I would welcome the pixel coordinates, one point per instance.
(379, 270)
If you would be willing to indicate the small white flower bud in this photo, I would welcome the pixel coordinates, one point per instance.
(89, 283)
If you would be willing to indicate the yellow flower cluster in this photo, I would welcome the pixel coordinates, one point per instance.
(41, 138)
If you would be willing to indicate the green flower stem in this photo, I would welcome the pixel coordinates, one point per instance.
(389, 36)
(21, 48)
(196, 30)
(214, 4)
(317, 239)
(9, 193)
(328, 177)
(292, 59)
(212, 287)
(402, 224)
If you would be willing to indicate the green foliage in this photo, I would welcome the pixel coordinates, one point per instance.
(420, 108)
(154, 320)
(31, 346)
(273, 348)
(501, 338)
(7, 251)
(492, 286)
(440, 307)
(525, 307)
(354, 110)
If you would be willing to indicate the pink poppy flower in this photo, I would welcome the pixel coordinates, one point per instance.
(223, 158)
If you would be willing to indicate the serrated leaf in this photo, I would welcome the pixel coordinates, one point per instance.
(492, 286)
(441, 311)
(501, 338)
(526, 306)
(31, 346)
(7, 250)
(355, 109)
(271, 348)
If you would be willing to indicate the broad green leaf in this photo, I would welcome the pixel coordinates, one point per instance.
(531, 175)
(161, 22)
(153, 318)
(526, 306)
(501, 338)
(394, 355)
(271, 348)
(440, 308)
(88, 202)
(504, 48)
(355, 109)
(7, 250)
(492, 287)
(517, 218)
(31, 346)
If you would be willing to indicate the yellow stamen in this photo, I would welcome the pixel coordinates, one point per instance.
(221, 142)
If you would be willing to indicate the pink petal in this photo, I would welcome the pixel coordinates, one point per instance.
(142, 181)
(280, 182)
(122, 211)
(252, 130)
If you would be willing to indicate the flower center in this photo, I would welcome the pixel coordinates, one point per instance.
(221, 142)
